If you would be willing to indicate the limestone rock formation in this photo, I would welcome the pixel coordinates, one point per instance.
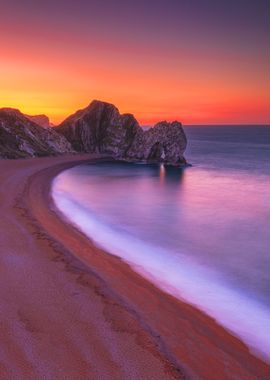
(100, 128)
(165, 142)
(21, 137)
(41, 120)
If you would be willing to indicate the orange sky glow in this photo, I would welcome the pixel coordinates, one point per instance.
(57, 71)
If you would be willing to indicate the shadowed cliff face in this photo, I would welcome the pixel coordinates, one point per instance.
(100, 128)
(21, 137)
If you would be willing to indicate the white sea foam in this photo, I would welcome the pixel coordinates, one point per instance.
(178, 275)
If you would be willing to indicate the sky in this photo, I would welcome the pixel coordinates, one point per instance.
(197, 61)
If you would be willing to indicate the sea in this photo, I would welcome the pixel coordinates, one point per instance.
(201, 233)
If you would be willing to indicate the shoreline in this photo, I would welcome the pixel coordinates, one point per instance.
(184, 342)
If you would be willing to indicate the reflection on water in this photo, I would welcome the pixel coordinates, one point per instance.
(220, 220)
(162, 173)
(171, 174)
(201, 233)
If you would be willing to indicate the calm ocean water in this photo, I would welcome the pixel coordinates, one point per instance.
(201, 234)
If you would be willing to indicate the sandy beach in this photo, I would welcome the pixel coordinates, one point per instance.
(69, 310)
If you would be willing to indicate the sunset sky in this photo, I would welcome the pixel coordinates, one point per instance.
(198, 61)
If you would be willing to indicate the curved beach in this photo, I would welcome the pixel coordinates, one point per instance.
(71, 310)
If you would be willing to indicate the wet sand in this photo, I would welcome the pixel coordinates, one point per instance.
(69, 310)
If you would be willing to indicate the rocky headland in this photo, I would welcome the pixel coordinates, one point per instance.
(99, 128)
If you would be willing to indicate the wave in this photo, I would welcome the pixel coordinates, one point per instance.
(178, 275)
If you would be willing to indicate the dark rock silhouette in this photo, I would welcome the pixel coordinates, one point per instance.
(41, 120)
(100, 128)
(21, 137)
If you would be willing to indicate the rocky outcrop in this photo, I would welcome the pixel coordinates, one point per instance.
(41, 120)
(165, 142)
(21, 137)
(100, 128)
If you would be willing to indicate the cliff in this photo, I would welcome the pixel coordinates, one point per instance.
(101, 128)
(21, 137)
(41, 120)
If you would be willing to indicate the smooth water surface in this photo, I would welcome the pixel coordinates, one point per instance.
(201, 233)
